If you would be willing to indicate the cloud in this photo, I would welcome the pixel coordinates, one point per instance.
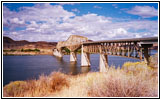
(115, 5)
(16, 21)
(45, 13)
(45, 22)
(97, 7)
(75, 10)
(144, 11)
(67, 3)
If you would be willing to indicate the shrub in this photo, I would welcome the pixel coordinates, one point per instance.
(154, 61)
(67, 50)
(58, 81)
(37, 50)
(12, 50)
(16, 88)
(41, 87)
(22, 50)
(116, 83)
(30, 50)
(6, 50)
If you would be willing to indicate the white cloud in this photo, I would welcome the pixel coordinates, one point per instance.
(46, 22)
(76, 10)
(68, 3)
(44, 13)
(14, 33)
(44, 26)
(144, 11)
(30, 28)
(33, 24)
(115, 5)
(16, 21)
(97, 7)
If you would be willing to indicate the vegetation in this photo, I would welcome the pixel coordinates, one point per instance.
(132, 80)
(67, 51)
(79, 51)
(6, 50)
(31, 88)
(11, 50)
(22, 50)
(30, 50)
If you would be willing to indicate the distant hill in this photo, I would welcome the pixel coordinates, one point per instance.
(9, 43)
(7, 40)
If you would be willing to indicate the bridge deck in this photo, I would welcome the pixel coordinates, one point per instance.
(149, 39)
(131, 48)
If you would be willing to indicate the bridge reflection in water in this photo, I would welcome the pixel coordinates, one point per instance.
(132, 48)
(72, 68)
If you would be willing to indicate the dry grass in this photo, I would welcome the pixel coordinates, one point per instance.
(118, 83)
(37, 88)
(132, 80)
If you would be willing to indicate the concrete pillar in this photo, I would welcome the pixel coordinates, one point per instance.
(146, 52)
(146, 55)
(73, 56)
(103, 63)
(57, 53)
(128, 50)
(134, 52)
(141, 52)
(85, 58)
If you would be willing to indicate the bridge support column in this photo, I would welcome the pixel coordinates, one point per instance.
(146, 52)
(57, 53)
(103, 63)
(73, 56)
(85, 58)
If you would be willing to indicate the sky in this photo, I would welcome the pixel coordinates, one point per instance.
(55, 22)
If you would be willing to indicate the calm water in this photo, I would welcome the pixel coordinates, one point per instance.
(30, 67)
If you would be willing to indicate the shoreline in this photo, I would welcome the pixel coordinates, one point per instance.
(25, 54)
(57, 84)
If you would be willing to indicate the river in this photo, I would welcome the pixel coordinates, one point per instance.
(31, 67)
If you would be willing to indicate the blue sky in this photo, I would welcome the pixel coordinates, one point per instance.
(97, 21)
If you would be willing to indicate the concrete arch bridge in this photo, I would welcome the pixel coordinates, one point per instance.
(133, 48)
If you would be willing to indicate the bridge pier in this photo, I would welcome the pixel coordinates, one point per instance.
(57, 53)
(85, 58)
(146, 52)
(125, 47)
(73, 56)
(103, 63)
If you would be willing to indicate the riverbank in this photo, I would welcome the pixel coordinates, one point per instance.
(131, 80)
(22, 52)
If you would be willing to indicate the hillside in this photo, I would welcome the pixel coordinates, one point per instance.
(17, 46)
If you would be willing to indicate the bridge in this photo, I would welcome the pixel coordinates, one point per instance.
(133, 48)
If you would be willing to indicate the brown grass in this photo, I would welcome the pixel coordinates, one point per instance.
(132, 80)
(36, 88)
(118, 83)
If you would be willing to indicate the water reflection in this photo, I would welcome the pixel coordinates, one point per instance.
(29, 67)
(85, 69)
(73, 68)
(59, 59)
